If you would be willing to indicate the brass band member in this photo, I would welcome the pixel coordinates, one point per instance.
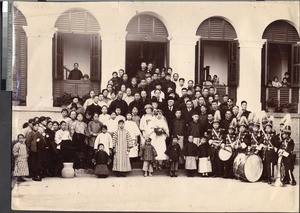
(286, 150)
(256, 139)
(229, 141)
(270, 147)
(215, 139)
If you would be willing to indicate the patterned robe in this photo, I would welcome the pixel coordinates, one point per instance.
(122, 143)
(21, 164)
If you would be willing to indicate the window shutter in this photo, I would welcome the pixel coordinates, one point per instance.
(20, 67)
(233, 63)
(58, 56)
(281, 31)
(146, 28)
(77, 20)
(95, 58)
(216, 28)
(200, 72)
(295, 73)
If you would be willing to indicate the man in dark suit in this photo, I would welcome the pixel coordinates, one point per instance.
(142, 72)
(75, 74)
(188, 111)
(119, 103)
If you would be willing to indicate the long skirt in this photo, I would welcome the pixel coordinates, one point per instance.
(190, 163)
(21, 167)
(101, 170)
(204, 165)
(159, 143)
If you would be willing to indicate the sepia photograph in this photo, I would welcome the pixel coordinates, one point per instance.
(158, 106)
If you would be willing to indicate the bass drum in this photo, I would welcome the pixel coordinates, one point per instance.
(248, 167)
(225, 154)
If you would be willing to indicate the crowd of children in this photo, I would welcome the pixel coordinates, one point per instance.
(170, 124)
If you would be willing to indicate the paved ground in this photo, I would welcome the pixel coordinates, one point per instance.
(157, 193)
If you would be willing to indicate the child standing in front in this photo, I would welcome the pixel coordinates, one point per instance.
(148, 155)
(204, 166)
(101, 160)
(190, 154)
(20, 155)
(174, 152)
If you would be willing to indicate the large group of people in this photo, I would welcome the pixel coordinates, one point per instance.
(158, 118)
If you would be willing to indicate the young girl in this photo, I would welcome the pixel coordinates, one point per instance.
(79, 132)
(135, 116)
(101, 160)
(190, 154)
(148, 155)
(204, 166)
(20, 154)
(104, 117)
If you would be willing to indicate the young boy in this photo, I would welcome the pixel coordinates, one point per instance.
(105, 139)
(286, 151)
(190, 154)
(194, 129)
(204, 166)
(148, 155)
(178, 127)
(215, 140)
(229, 141)
(270, 147)
(174, 152)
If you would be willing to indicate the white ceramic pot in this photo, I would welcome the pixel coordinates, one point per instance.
(68, 171)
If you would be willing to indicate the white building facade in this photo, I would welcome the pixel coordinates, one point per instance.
(237, 27)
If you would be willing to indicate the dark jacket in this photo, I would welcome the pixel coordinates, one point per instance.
(94, 108)
(178, 127)
(174, 152)
(118, 104)
(190, 149)
(195, 130)
(148, 152)
(101, 157)
(203, 150)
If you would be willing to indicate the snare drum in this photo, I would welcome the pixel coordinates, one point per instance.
(225, 154)
(248, 167)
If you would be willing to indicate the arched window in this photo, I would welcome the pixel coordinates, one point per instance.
(280, 55)
(76, 41)
(217, 54)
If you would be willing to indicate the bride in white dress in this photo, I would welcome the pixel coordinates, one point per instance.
(159, 133)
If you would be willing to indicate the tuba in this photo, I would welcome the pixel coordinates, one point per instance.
(280, 173)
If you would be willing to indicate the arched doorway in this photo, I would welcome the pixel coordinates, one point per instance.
(146, 41)
(281, 54)
(76, 41)
(217, 54)
(20, 58)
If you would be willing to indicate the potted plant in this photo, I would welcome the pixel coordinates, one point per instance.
(286, 107)
(63, 101)
(272, 104)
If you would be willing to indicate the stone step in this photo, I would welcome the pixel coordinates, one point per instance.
(133, 172)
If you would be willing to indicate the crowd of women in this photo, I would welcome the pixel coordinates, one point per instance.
(156, 117)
